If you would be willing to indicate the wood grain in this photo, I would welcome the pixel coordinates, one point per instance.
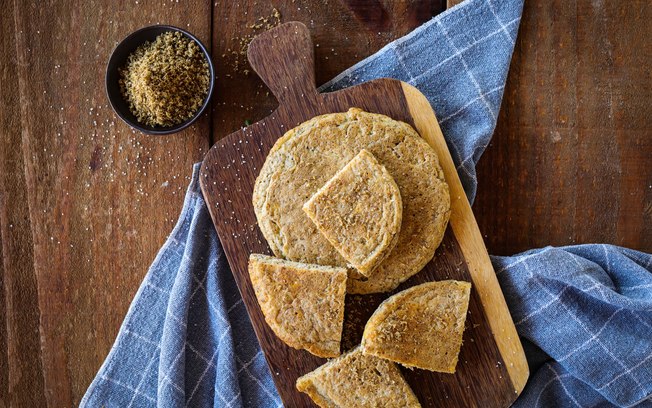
(283, 57)
(343, 33)
(86, 203)
(20, 364)
(571, 159)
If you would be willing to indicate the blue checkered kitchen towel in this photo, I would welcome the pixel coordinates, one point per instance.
(584, 312)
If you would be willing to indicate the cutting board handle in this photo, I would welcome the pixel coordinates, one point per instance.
(284, 58)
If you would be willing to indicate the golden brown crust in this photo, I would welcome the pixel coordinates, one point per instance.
(355, 380)
(306, 157)
(359, 211)
(421, 326)
(303, 304)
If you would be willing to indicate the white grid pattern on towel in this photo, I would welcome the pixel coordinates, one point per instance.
(590, 338)
(208, 362)
(468, 72)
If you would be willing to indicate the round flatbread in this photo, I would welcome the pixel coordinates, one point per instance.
(306, 157)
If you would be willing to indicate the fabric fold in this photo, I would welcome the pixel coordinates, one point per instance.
(589, 309)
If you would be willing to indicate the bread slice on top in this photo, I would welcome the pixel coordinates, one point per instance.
(355, 380)
(302, 303)
(359, 211)
(421, 326)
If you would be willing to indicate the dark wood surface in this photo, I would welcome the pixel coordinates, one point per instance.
(571, 159)
(85, 203)
(565, 165)
(283, 58)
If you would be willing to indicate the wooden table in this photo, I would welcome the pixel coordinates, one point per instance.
(85, 203)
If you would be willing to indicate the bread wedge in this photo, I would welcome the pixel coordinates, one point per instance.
(355, 380)
(359, 211)
(302, 303)
(421, 326)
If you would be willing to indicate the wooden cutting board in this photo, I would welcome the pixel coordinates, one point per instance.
(492, 368)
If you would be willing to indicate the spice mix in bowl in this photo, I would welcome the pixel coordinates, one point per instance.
(159, 79)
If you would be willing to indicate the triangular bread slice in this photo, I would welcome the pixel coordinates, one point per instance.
(421, 326)
(355, 380)
(302, 303)
(359, 210)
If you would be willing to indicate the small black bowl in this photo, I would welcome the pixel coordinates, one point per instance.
(118, 60)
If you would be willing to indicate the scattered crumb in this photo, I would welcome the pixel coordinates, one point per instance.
(239, 54)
